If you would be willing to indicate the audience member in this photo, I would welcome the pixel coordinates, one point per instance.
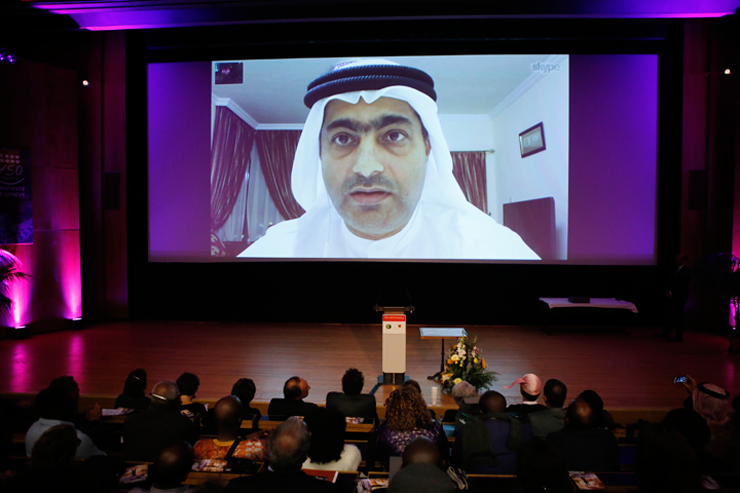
(294, 391)
(171, 469)
(145, 435)
(710, 401)
(490, 443)
(70, 385)
(664, 462)
(530, 386)
(421, 451)
(58, 406)
(228, 413)
(188, 384)
(407, 418)
(245, 389)
(287, 451)
(421, 477)
(603, 418)
(328, 450)
(585, 447)
(413, 384)
(134, 392)
(351, 402)
(551, 419)
(467, 398)
(540, 467)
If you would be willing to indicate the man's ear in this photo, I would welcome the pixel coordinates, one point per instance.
(427, 146)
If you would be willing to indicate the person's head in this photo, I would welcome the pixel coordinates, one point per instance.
(288, 446)
(327, 427)
(295, 389)
(405, 410)
(530, 386)
(244, 389)
(594, 400)
(67, 383)
(135, 385)
(492, 402)
(579, 415)
(711, 401)
(353, 381)
(188, 384)
(374, 158)
(166, 393)
(172, 465)
(690, 425)
(555, 392)
(421, 450)
(421, 477)
(464, 393)
(412, 384)
(664, 462)
(56, 402)
(57, 446)
(228, 415)
(541, 467)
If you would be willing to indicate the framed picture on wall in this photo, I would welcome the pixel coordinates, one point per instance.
(532, 140)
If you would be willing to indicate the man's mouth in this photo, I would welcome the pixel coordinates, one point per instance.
(369, 196)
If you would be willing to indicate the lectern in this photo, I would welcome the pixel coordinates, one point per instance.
(394, 343)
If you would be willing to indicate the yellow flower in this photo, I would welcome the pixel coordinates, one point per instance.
(455, 357)
(475, 360)
(457, 380)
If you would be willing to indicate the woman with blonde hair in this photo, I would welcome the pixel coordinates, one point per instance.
(407, 418)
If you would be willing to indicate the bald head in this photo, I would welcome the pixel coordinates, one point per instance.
(166, 392)
(421, 451)
(173, 465)
(579, 415)
(228, 414)
(492, 402)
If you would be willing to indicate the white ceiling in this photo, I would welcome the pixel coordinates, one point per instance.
(273, 90)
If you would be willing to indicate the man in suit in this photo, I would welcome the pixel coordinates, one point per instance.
(530, 386)
(294, 391)
(677, 293)
(287, 450)
(551, 419)
(351, 402)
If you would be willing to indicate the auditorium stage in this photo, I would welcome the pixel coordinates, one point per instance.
(629, 372)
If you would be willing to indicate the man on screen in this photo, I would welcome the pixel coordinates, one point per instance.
(374, 174)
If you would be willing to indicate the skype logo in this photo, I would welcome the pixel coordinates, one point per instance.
(545, 68)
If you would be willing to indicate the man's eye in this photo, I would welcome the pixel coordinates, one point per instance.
(342, 140)
(395, 136)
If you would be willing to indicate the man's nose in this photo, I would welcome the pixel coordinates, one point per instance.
(367, 159)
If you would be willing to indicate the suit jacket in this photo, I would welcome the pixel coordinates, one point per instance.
(272, 482)
(145, 435)
(283, 407)
(353, 406)
(548, 421)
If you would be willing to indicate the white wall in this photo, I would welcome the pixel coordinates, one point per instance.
(512, 178)
(467, 132)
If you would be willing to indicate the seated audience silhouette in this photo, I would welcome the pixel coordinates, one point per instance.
(146, 434)
(134, 392)
(228, 413)
(294, 391)
(421, 477)
(553, 418)
(58, 406)
(540, 468)
(328, 450)
(585, 447)
(188, 383)
(351, 402)
(664, 462)
(603, 418)
(467, 399)
(245, 389)
(171, 469)
(287, 451)
(422, 451)
(530, 387)
(490, 443)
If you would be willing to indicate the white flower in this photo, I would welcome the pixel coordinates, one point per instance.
(455, 357)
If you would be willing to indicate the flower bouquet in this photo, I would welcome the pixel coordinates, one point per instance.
(466, 363)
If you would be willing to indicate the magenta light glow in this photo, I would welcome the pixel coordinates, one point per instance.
(70, 278)
(20, 368)
(20, 292)
(76, 358)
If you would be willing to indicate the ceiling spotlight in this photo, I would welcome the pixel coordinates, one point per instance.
(6, 57)
(85, 82)
(728, 71)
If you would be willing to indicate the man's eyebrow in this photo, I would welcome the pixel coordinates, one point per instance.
(377, 123)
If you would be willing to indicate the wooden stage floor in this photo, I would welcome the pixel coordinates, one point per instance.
(629, 372)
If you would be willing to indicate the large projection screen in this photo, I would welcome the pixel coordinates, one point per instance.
(558, 150)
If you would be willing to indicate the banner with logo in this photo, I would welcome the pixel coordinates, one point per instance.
(16, 210)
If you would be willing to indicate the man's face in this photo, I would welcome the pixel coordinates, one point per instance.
(374, 160)
(304, 388)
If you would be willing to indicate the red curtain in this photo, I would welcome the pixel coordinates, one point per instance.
(469, 169)
(230, 160)
(276, 149)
